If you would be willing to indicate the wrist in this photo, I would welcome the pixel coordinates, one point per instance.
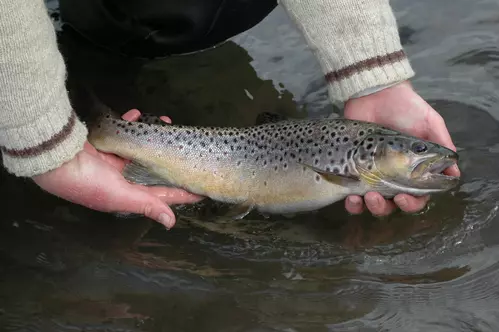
(379, 92)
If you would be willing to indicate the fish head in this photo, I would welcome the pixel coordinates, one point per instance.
(401, 163)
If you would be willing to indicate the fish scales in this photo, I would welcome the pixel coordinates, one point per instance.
(264, 166)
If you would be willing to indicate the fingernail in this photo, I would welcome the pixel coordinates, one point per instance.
(401, 202)
(166, 220)
(374, 201)
(354, 200)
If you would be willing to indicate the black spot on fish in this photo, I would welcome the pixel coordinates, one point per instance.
(333, 135)
(317, 177)
(309, 141)
(369, 167)
(126, 130)
(114, 121)
(361, 133)
(332, 161)
(349, 154)
(140, 126)
(342, 161)
(316, 161)
(133, 131)
(390, 143)
(145, 132)
(336, 170)
(107, 116)
(345, 139)
(342, 128)
(369, 146)
(346, 169)
(355, 143)
(330, 153)
(370, 139)
(355, 123)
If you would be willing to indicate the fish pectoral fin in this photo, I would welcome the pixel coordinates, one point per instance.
(136, 173)
(239, 211)
(339, 179)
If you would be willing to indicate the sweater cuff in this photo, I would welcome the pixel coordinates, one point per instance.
(59, 137)
(356, 43)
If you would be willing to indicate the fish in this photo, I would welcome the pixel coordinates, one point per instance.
(278, 166)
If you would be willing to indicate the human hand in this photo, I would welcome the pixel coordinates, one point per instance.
(93, 179)
(400, 108)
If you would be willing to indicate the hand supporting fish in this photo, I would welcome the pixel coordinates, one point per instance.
(401, 108)
(283, 166)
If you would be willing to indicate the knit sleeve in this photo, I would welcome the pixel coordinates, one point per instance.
(38, 129)
(356, 42)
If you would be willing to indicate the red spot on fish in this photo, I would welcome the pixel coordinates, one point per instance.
(117, 132)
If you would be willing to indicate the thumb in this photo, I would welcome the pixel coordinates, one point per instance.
(438, 133)
(135, 200)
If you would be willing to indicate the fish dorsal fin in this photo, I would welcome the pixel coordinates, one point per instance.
(339, 179)
(148, 118)
(136, 173)
(269, 117)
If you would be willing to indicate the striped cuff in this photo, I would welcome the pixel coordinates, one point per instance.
(64, 136)
(369, 76)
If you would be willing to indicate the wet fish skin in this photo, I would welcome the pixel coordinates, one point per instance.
(282, 167)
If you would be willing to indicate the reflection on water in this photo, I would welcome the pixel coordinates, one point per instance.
(65, 268)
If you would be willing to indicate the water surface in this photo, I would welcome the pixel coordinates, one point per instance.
(66, 268)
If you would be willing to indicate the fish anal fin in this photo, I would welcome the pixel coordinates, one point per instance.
(136, 173)
(339, 179)
(239, 211)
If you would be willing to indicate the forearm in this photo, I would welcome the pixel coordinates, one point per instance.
(356, 42)
(38, 128)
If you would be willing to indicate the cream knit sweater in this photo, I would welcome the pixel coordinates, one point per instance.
(355, 41)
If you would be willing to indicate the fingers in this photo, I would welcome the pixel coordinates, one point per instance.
(134, 115)
(131, 115)
(438, 133)
(411, 204)
(377, 205)
(381, 207)
(354, 204)
(172, 196)
(134, 200)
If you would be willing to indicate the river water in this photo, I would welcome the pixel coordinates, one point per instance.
(66, 268)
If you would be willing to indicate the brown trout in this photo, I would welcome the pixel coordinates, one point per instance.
(282, 166)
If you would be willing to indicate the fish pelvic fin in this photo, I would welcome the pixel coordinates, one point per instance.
(136, 173)
(338, 179)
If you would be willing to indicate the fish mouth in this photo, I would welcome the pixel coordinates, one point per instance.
(431, 171)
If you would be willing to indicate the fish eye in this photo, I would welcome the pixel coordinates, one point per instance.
(419, 147)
